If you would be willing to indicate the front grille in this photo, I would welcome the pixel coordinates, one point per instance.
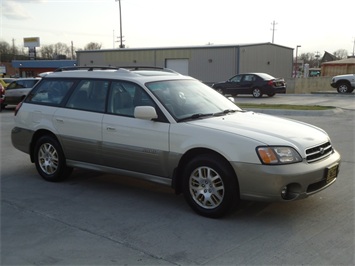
(319, 152)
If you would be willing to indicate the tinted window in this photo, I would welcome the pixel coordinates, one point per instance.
(50, 91)
(124, 96)
(89, 95)
(236, 78)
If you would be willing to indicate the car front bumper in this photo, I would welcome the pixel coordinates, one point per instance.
(268, 182)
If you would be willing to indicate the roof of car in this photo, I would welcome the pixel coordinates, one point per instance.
(128, 73)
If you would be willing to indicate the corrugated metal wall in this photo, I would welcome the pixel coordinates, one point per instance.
(208, 64)
(267, 58)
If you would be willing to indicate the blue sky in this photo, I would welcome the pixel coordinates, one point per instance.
(314, 25)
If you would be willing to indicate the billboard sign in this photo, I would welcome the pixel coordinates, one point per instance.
(31, 42)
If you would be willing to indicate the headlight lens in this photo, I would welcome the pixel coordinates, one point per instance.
(278, 155)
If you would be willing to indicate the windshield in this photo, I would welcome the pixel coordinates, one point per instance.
(190, 99)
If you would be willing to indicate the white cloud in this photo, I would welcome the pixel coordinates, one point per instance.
(14, 9)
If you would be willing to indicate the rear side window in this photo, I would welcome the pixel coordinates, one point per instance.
(89, 95)
(50, 91)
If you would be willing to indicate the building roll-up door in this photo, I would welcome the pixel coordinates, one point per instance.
(178, 65)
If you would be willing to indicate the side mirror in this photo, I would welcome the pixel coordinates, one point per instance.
(145, 112)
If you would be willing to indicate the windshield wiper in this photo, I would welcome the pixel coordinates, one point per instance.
(194, 116)
(227, 111)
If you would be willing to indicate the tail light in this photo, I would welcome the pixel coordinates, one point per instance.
(18, 108)
(270, 82)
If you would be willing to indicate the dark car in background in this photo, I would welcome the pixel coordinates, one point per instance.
(17, 90)
(256, 84)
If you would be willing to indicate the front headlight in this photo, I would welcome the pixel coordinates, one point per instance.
(278, 155)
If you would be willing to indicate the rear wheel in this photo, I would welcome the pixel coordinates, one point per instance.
(49, 159)
(271, 94)
(257, 93)
(210, 185)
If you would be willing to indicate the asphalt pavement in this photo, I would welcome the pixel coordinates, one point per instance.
(103, 219)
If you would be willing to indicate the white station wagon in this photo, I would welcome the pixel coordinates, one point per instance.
(171, 129)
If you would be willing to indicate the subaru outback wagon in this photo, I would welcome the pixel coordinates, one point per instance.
(171, 129)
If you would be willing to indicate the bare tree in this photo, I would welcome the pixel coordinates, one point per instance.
(47, 51)
(309, 58)
(341, 53)
(92, 46)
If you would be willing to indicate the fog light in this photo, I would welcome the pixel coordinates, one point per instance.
(284, 192)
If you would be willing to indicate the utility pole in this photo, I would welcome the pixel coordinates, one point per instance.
(317, 58)
(13, 48)
(121, 37)
(273, 30)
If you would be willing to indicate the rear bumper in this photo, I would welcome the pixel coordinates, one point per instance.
(21, 139)
(280, 90)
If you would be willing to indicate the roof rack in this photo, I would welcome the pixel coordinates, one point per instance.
(89, 68)
(130, 68)
(148, 68)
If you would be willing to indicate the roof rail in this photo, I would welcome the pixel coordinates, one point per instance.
(126, 68)
(89, 68)
(148, 68)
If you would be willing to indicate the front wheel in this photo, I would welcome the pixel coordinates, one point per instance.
(49, 159)
(220, 90)
(257, 93)
(343, 88)
(210, 186)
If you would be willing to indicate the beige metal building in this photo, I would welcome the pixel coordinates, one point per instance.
(210, 63)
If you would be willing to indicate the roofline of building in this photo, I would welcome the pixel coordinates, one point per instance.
(43, 63)
(182, 47)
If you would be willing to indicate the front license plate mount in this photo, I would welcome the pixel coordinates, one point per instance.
(331, 173)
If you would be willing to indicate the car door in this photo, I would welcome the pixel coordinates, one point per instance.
(15, 92)
(233, 84)
(79, 124)
(130, 143)
(246, 83)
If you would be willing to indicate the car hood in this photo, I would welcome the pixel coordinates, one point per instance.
(267, 129)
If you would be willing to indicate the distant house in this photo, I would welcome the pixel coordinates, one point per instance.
(328, 57)
(338, 67)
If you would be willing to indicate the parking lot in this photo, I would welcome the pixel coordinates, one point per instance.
(103, 219)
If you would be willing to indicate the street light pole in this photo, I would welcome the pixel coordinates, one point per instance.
(296, 64)
(121, 38)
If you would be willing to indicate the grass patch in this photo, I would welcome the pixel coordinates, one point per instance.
(284, 106)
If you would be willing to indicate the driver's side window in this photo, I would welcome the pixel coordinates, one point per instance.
(125, 96)
(237, 78)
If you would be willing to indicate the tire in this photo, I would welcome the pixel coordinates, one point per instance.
(49, 159)
(210, 186)
(220, 90)
(257, 93)
(271, 94)
(343, 87)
